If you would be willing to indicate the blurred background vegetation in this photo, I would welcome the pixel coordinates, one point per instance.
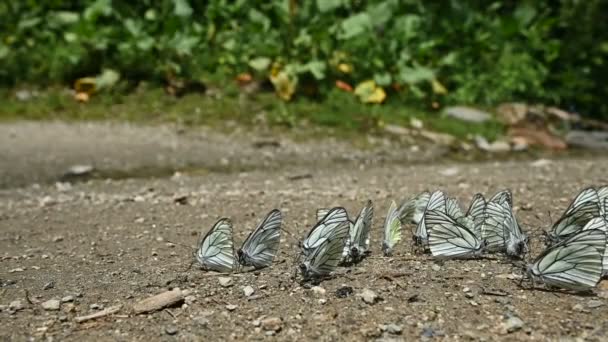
(416, 53)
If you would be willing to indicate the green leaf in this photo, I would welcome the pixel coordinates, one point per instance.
(4, 50)
(416, 75)
(383, 12)
(28, 23)
(107, 79)
(259, 18)
(260, 63)
(354, 26)
(98, 8)
(150, 14)
(383, 79)
(325, 6)
(64, 17)
(316, 68)
(524, 14)
(182, 8)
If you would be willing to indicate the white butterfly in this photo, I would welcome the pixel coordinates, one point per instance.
(450, 239)
(324, 257)
(436, 202)
(584, 208)
(452, 208)
(215, 252)
(323, 228)
(502, 232)
(392, 230)
(262, 244)
(475, 215)
(504, 198)
(411, 210)
(358, 242)
(575, 263)
(602, 194)
(600, 223)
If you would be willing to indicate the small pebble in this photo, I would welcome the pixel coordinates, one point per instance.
(96, 306)
(512, 324)
(67, 299)
(318, 290)
(322, 301)
(48, 285)
(272, 324)
(231, 307)
(392, 329)
(368, 296)
(16, 305)
(201, 321)
(225, 281)
(594, 303)
(171, 330)
(436, 268)
(51, 305)
(248, 291)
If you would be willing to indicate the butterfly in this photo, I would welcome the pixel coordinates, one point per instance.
(475, 215)
(323, 228)
(436, 202)
(575, 263)
(502, 232)
(215, 252)
(452, 208)
(584, 207)
(602, 194)
(262, 244)
(412, 210)
(324, 257)
(450, 239)
(504, 198)
(358, 242)
(392, 230)
(600, 223)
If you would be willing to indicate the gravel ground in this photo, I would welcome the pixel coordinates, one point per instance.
(100, 243)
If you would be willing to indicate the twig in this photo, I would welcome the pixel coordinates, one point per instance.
(99, 314)
(159, 301)
(498, 293)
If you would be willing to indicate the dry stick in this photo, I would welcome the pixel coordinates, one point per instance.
(159, 301)
(99, 314)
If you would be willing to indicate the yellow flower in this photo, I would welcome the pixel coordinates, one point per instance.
(284, 84)
(370, 92)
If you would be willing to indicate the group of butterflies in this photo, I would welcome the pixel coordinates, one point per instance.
(576, 256)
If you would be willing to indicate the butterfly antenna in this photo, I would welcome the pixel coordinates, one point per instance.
(180, 244)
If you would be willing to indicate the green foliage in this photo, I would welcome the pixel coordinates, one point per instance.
(483, 52)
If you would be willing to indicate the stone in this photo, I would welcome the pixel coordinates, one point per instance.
(248, 291)
(51, 305)
(171, 330)
(494, 147)
(16, 305)
(392, 329)
(344, 291)
(225, 281)
(67, 299)
(231, 307)
(436, 268)
(272, 324)
(201, 321)
(396, 130)
(318, 290)
(368, 296)
(512, 324)
(594, 303)
(468, 114)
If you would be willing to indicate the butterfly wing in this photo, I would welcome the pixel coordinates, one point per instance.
(323, 228)
(452, 208)
(602, 194)
(449, 239)
(504, 198)
(436, 202)
(599, 223)
(360, 231)
(321, 213)
(477, 206)
(571, 266)
(494, 229)
(215, 251)
(412, 210)
(584, 208)
(325, 257)
(392, 229)
(262, 244)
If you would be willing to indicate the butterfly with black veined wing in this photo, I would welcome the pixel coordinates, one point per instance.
(215, 251)
(475, 215)
(504, 198)
(411, 210)
(321, 213)
(450, 239)
(325, 256)
(436, 202)
(392, 230)
(358, 242)
(323, 228)
(575, 263)
(502, 232)
(600, 223)
(452, 208)
(262, 244)
(602, 194)
(582, 209)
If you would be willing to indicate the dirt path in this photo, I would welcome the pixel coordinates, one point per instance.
(105, 243)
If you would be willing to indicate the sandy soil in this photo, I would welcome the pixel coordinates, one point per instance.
(103, 242)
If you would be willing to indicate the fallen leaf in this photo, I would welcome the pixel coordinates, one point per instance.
(344, 86)
(284, 84)
(370, 92)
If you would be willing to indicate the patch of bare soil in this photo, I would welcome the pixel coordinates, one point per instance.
(102, 243)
